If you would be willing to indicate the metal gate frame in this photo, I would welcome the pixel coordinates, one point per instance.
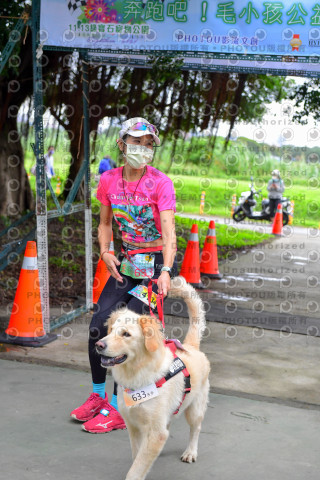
(105, 57)
(42, 180)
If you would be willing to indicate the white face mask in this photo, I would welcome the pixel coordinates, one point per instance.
(138, 156)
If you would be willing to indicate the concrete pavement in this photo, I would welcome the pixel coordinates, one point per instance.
(281, 277)
(247, 224)
(257, 363)
(264, 412)
(241, 438)
(267, 360)
(273, 286)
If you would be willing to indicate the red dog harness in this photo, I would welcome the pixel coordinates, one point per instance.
(176, 366)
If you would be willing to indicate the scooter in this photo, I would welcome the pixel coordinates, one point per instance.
(247, 202)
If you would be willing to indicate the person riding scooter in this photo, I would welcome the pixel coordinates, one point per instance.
(247, 203)
(275, 188)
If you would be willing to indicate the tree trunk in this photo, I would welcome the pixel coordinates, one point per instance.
(77, 157)
(15, 192)
(236, 102)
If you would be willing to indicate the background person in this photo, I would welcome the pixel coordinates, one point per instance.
(142, 201)
(106, 164)
(275, 188)
(49, 162)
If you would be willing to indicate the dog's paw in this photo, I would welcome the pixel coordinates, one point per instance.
(189, 456)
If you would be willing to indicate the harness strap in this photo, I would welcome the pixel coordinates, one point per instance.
(177, 366)
(187, 389)
(173, 347)
(141, 250)
(159, 298)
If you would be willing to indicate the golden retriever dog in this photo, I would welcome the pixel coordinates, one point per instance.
(135, 349)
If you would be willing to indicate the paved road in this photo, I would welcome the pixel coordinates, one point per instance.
(261, 227)
(274, 286)
(271, 360)
(39, 441)
(241, 438)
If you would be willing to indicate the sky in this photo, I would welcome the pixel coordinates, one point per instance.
(277, 127)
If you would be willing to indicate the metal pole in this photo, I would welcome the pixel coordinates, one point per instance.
(41, 198)
(14, 37)
(87, 189)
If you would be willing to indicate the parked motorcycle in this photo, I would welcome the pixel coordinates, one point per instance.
(247, 202)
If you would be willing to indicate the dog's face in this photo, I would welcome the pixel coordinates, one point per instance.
(129, 337)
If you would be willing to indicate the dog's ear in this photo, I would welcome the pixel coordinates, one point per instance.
(111, 320)
(151, 330)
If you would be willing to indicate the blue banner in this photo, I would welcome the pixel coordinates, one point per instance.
(242, 29)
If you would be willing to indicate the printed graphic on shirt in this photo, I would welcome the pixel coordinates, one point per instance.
(136, 221)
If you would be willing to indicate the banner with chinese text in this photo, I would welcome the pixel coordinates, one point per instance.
(240, 29)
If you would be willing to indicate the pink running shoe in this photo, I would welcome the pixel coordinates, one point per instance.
(89, 409)
(108, 419)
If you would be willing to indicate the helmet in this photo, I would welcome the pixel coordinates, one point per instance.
(276, 173)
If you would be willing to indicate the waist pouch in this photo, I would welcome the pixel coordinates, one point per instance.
(140, 265)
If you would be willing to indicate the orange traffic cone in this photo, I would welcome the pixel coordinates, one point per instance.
(209, 256)
(102, 276)
(190, 268)
(26, 325)
(278, 222)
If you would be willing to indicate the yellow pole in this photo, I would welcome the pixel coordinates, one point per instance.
(291, 215)
(58, 187)
(203, 196)
(233, 203)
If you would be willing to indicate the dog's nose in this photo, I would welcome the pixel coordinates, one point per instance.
(100, 345)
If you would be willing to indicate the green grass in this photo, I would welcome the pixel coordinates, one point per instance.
(218, 197)
(64, 264)
(227, 236)
(196, 168)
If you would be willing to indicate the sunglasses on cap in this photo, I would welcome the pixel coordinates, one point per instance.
(144, 127)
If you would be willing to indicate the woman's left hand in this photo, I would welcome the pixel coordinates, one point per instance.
(164, 283)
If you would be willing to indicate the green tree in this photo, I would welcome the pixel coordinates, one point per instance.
(177, 100)
(15, 87)
(307, 101)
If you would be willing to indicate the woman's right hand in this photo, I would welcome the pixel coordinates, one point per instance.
(111, 262)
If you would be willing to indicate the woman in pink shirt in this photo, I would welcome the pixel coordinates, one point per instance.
(141, 199)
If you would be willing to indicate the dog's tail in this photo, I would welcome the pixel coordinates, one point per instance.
(181, 289)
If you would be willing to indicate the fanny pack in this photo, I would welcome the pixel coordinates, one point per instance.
(130, 263)
(138, 263)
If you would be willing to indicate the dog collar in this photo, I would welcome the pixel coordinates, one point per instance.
(176, 367)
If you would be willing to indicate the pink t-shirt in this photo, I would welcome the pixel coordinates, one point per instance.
(138, 221)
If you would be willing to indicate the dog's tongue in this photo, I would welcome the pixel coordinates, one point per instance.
(108, 361)
(111, 361)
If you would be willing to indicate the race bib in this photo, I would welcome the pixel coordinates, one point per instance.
(134, 397)
(141, 292)
(139, 266)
